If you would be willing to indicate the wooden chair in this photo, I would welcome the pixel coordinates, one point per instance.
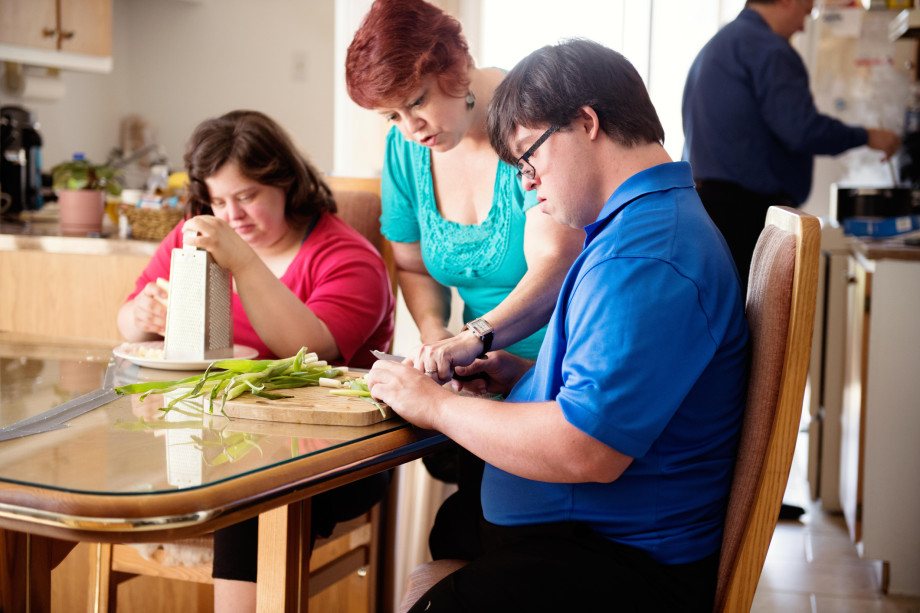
(781, 311)
(358, 201)
(355, 546)
(780, 308)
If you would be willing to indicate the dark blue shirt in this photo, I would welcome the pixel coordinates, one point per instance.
(645, 352)
(749, 116)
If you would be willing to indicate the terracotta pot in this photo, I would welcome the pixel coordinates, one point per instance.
(81, 211)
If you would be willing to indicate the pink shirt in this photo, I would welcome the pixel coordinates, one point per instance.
(339, 276)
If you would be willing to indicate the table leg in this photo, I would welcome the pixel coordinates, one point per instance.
(101, 595)
(284, 559)
(26, 561)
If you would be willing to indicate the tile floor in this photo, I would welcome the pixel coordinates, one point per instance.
(813, 567)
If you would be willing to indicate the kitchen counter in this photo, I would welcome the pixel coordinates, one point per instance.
(39, 230)
(65, 286)
(888, 249)
(880, 421)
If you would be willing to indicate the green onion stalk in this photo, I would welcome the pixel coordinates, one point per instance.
(227, 379)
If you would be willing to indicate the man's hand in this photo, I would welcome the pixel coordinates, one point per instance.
(501, 369)
(885, 141)
(415, 396)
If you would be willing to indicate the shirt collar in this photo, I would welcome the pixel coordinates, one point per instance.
(748, 14)
(655, 179)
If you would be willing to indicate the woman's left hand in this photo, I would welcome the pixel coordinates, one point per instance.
(439, 359)
(229, 250)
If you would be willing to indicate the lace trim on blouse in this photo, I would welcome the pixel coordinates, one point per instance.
(460, 250)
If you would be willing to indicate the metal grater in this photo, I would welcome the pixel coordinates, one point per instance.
(199, 314)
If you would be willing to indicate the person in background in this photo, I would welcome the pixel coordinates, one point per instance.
(456, 215)
(301, 277)
(608, 465)
(751, 126)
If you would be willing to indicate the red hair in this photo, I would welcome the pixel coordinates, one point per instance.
(399, 43)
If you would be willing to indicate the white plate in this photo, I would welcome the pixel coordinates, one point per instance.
(137, 353)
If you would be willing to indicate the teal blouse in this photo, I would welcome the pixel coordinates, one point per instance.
(485, 261)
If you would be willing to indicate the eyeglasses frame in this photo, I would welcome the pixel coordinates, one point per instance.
(521, 161)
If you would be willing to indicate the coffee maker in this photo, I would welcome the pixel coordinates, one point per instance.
(20, 162)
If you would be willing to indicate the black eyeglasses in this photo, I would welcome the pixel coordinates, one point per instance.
(525, 169)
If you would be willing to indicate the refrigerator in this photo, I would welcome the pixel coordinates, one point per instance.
(861, 76)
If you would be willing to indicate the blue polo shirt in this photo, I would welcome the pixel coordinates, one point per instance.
(749, 116)
(645, 352)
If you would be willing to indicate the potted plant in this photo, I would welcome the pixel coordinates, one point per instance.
(81, 187)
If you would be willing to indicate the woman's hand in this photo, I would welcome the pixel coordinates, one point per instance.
(150, 310)
(439, 359)
(228, 249)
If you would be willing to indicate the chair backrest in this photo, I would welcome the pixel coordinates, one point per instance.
(358, 202)
(780, 309)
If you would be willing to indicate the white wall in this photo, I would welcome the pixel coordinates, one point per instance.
(660, 38)
(360, 133)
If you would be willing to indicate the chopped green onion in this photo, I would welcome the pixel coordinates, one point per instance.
(225, 380)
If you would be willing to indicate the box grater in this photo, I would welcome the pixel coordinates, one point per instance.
(199, 313)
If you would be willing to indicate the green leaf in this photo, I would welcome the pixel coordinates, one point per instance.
(227, 379)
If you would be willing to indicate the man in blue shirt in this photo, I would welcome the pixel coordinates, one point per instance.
(609, 463)
(751, 126)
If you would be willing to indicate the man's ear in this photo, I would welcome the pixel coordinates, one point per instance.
(588, 121)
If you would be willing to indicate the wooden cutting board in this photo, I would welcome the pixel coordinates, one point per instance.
(308, 405)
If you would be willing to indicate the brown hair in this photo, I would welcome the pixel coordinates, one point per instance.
(398, 44)
(264, 153)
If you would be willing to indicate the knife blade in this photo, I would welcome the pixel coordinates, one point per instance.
(387, 356)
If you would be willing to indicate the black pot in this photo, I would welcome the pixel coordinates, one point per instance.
(849, 202)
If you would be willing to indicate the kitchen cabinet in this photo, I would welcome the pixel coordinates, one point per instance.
(880, 493)
(827, 367)
(67, 287)
(58, 33)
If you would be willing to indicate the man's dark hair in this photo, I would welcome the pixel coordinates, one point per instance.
(549, 86)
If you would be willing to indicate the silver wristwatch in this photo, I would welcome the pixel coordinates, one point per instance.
(483, 329)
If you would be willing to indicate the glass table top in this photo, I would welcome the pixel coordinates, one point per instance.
(120, 445)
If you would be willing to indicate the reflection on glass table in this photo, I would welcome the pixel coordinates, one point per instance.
(115, 471)
(197, 442)
(33, 381)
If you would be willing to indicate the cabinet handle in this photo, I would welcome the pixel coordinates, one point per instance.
(67, 35)
(49, 32)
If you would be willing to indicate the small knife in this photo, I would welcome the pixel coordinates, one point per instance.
(387, 356)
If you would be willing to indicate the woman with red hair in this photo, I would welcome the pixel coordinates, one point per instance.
(456, 215)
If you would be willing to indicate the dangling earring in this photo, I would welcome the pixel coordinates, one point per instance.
(470, 100)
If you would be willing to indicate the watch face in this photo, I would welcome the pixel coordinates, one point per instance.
(480, 326)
